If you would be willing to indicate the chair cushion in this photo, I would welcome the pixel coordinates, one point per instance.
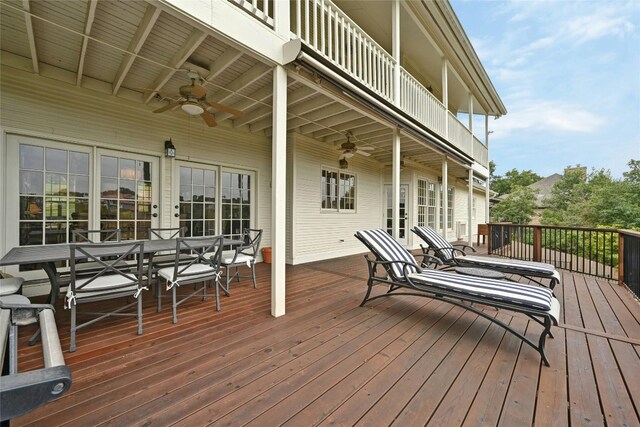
(10, 285)
(435, 241)
(386, 248)
(512, 264)
(537, 297)
(103, 285)
(227, 258)
(192, 273)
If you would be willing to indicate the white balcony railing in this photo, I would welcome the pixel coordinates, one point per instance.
(480, 152)
(419, 103)
(459, 135)
(259, 9)
(324, 27)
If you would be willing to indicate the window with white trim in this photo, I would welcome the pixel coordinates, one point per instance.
(431, 206)
(338, 191)
(422, 202)
(450, 200)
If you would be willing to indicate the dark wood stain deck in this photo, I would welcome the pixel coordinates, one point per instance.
(401, 361)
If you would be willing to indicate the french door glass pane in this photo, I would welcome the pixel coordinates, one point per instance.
(236, 203)
(125, 196)
(198, 201)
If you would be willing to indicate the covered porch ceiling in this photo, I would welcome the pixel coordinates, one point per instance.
(141, 51)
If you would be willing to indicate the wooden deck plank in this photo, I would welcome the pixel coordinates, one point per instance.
(330, 362)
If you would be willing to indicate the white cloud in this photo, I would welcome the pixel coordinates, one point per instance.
(546, 117)
(591, 27)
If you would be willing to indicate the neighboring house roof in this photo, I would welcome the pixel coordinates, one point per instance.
(543, 188)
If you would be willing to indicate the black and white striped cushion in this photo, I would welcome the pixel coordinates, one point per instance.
(385, 248)
(537, 297)
(435, 241)
(524, 266)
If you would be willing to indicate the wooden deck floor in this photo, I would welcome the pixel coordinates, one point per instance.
(404, 361)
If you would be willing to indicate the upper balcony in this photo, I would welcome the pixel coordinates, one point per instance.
(355, 37)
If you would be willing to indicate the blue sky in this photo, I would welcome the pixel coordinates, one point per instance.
(569, 74)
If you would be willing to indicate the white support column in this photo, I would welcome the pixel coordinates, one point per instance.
(445, 95)
(470, 210)
(395, 49)
(487, 217)
(278, 190)
(281, 17)
(470, 201)
(395, 181)
(445, 196)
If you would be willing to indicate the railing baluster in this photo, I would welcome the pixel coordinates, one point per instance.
(322, 32)
(306, 20)
(299, 19)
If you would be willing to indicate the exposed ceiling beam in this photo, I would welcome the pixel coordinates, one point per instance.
(330, 122)
(371, 131)
(144, 29)
(253, 116)
(91, 14)
(30, 35)
(330, 110)
(259, 96)
(255, 73)
(351, 125)
(176, 61)
(224, 61)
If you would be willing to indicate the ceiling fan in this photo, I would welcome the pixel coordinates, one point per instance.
(349, 148)
(193, 100)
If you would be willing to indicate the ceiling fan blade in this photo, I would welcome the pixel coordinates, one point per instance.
(366, 148)
(226, 109)
(164, 108)
(363, 153)
(209, 119)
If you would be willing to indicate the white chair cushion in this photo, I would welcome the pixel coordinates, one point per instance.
(10, 285)
(103, 285)
(227, 258)
(191, 273)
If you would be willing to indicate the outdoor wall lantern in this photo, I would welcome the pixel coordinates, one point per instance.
(344, 164)
(169, 149)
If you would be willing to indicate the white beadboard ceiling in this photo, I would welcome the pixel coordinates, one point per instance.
(122, 47)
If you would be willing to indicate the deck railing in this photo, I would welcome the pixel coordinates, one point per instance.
(417, 101)
(259, 9)
(322, 26)
(602, 252)
(459, 135)
(480, 152)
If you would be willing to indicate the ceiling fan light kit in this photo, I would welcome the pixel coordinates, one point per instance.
(192, 108)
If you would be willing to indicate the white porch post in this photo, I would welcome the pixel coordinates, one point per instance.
(487, 217)
(470, 201)
(278, 190)
(445, 96)
(395, 181)
(445, 196)
(395, 49)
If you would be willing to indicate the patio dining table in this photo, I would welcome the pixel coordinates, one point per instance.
(48, 255)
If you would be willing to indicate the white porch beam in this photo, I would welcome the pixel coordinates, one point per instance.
(278, 191)
(487, 195)
(176, 61)
(30, 35)
(251, 76)
(445, 95)
(330, 122)
(91, 14)
(395, 49)
(470, 198)
(371, 132)
(330, 110)
(259, 96)
(224, 61)
(445, 196)
(395, 185)
(343, 127)
(149, 19)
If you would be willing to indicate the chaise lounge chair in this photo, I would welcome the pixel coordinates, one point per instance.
(405, 277)
(452, 256)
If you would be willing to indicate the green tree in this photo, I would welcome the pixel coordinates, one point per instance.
(512, 179)
(517, 206)
(633, 175)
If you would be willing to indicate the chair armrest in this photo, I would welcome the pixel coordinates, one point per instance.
(428, 259)
(457, 247)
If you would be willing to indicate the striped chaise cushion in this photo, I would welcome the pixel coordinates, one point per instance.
(537, 297)
(435, 241)
(385, 248)
(512, 264)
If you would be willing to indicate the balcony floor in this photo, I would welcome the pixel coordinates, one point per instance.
(403, 360)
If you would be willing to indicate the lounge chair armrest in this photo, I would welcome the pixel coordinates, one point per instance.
(428, 259)
(374, 263)
(457, 246)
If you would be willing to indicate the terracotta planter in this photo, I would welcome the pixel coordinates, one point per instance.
(266, 255)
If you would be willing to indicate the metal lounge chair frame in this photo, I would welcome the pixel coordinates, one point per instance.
(452, 256)
(404, 276)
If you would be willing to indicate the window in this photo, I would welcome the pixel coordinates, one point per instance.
(338, 190)
(474, 207)
(449, 208)
(236, 203)
(431, 207)
(422, 202)
(54, 194)
(198, 201)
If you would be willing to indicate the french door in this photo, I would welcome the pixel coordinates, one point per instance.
(403, 212)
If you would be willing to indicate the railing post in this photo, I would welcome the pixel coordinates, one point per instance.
(537, 244)
(489, 234)
(620, 259)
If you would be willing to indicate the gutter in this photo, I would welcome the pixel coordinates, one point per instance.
(381, 106)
